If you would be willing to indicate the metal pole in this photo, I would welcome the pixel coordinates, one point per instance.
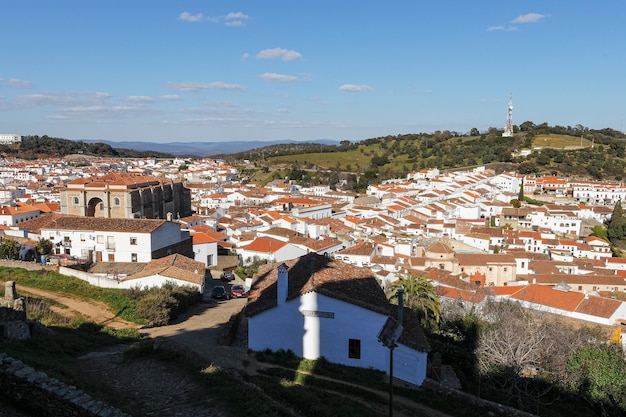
(391, 380)
(400, 304)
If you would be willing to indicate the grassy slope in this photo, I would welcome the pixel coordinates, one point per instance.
(560, 141)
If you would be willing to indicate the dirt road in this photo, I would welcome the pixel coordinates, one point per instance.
(93, 311)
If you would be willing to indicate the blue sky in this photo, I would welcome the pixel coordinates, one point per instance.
(167, 71)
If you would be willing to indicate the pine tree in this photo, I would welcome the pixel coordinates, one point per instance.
(617, 223)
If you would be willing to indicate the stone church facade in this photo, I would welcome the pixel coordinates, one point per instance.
(125, 196)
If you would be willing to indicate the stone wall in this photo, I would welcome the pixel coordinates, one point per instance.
(13, 324)
(34, 391)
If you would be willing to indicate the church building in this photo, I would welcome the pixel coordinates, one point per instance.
(125, 196)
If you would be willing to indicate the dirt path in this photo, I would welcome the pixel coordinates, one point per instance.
(94, 311)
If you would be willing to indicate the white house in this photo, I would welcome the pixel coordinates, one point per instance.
(10, 216)
(204, 248)
(272, 250)
(318, 307)
(176, 269)
(110, 239)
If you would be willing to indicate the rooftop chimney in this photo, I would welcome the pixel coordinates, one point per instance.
(282, 283)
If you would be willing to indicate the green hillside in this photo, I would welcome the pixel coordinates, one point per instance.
(579, 152)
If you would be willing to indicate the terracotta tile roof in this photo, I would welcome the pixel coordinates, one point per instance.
(360, 249)
(334, 279)
(544, 295)
(459, 294)
(280, 231)
(265, 245)
(316, 245)
(174, 266)
(598, 306)
(384, 260)
(199, 238)
(68, 222)
(439, 247)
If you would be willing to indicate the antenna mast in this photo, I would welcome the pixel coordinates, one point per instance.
(508, 129)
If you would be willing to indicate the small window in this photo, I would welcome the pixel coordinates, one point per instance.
(75, 200)
(116, 201)
(133, 257)
(354, 348)
(133, 240)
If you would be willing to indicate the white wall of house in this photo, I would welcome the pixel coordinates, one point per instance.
(158, 281)
(115, 281)
(206, 253)
(315, 325)
(169, 233)
(19, 217)
(321, 211)
(478, 242)
(285, 253)
(115, 246)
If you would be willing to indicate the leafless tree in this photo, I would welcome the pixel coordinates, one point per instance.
(523, 352)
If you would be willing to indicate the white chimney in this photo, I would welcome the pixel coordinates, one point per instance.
(282, 283)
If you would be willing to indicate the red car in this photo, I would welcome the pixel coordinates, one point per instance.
(237, 291)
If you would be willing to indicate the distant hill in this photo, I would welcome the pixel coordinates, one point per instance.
(201, 149)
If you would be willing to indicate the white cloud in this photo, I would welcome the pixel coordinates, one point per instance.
(194, 87)
(503, 28)
(245, 56)
(236, 16)
(280, 78)
(283, 110)
(140, 99)
(188, 17)
(170, 97)
(16, 83)
(65, 98)
(529, 18)
(84, 109)
(279, 53)
(234, 23)
(355, 88)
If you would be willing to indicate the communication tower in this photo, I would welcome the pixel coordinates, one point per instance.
(508, 129)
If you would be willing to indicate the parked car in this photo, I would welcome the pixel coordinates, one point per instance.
(220, 293)
(56, 258)
(227, 276)
(237, 291)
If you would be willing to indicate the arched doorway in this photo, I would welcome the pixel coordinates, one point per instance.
(95, 208)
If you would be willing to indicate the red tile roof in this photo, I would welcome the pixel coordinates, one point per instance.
(265, 245)
(547, 296)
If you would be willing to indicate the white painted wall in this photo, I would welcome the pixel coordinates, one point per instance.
(293, 325)
(203, 250)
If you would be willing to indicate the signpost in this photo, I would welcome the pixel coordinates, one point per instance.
(388, 335)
